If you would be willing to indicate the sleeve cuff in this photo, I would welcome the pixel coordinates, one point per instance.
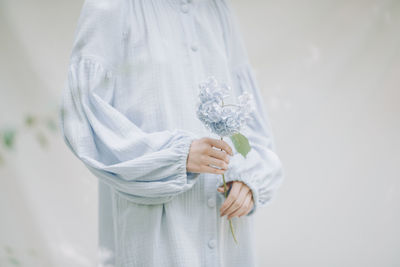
(187, 139)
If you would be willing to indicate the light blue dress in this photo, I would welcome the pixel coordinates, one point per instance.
(129, 114)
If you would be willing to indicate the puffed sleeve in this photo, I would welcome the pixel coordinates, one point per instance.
(149, 168)
(261, 169)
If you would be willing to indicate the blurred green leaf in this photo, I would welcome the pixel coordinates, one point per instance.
(241, 143)
(8, 250)
(9, 138)
(30, 120)
(51, 124)
(14, 261)
(41, 138)
(32, 252)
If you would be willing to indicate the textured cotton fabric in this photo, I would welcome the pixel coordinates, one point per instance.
(129, 114)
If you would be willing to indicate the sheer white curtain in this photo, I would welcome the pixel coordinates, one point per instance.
(329, 71)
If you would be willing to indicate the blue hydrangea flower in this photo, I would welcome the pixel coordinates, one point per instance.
(221, 118)
(210, 90)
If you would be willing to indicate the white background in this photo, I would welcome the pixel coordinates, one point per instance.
(330, 76)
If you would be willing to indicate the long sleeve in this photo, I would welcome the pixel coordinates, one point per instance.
(262, 169)
(149, 168)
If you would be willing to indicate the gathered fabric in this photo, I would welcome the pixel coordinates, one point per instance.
(129, 114)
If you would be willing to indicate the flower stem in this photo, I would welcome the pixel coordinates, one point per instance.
(226, 193)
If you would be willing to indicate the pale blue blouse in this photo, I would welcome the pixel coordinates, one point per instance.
(129, 114)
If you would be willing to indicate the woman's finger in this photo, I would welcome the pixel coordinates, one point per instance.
(221, 144)
(239, 202)
(222, 155)
(246, 207)
(209, 169)
(251, 205)
(216, 162)
(230, 200)
(221, 189)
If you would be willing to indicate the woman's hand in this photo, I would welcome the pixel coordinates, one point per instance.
(239, 201)
(202, 154)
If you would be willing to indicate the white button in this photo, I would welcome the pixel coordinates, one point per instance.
(184, 8)
(211, 202)
(211, 243)
(194, 47)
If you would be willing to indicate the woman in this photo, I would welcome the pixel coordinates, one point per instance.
(129, 113)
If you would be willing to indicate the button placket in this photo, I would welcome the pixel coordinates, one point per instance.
(194, 47)
(210, 218)
(185, 7)
(212, 243)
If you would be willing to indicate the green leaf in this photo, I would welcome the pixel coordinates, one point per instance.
(32, 252)
(241, 143)
(8, 250)
(30, 120)
(8, 138)
(14, 261)
(41, 138)
(51, 124)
